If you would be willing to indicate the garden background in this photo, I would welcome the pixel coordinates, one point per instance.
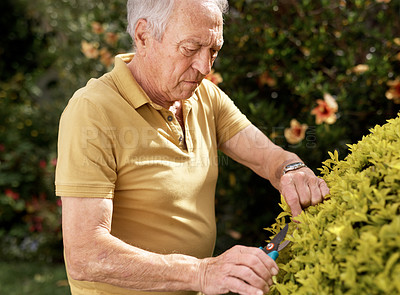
(312, 75)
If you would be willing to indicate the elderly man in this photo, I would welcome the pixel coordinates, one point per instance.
(137, 164)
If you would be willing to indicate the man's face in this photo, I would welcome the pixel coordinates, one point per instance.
(186, 53)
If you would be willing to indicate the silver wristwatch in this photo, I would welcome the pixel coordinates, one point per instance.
(293, 166)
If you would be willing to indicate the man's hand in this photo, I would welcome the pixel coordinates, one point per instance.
(242, 270)
(301, 188)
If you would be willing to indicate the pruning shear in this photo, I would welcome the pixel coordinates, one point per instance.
(276, 245)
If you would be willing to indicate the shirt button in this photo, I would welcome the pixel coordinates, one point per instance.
(180, 138)
(169, 118)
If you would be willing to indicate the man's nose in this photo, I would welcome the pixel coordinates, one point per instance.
(203, 62)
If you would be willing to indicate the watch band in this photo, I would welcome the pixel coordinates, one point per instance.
(293, 166)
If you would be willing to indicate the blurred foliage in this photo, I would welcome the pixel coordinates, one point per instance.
(331, 65)
(33, 278)
(29, 211)
(350, 243)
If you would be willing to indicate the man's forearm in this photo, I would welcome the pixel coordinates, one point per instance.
(114, 262)
(253, 149)
(301, 188)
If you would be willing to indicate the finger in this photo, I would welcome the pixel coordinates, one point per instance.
(289, 192)
(263, 265)
(302, 188)
(220, 277)
(260, 266)
(272, 269)
(268, 262)
(323, 187)
(247, 275)
(316, 194)
(238, 286)
(269, 269)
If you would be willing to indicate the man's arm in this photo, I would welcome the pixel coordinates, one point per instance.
(301, 188)
(93, 254)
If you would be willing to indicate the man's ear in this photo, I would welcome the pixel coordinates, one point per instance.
(141, 36)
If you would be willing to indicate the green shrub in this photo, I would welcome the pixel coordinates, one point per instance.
(350, 243)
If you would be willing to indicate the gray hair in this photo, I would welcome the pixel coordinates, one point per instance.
(157, 13)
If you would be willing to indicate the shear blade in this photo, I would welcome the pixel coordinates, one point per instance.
(280, 236)
(283, 245)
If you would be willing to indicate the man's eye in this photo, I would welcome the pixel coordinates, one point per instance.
(214, 53)
(189, 51)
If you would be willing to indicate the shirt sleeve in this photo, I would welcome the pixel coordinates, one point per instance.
(228, 118)
(86, 165)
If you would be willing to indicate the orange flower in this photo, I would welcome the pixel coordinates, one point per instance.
(97, 28)
(296, 132)
(106, 57)
(266, 79)
(89, 49)
(394, 91)
(111, 38)
(326, 110)
(360, 69)
(214, 77)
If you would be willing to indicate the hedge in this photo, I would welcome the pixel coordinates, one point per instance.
(350, 243)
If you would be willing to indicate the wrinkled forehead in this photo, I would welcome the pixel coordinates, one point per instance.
(197, 17)
(197, 13)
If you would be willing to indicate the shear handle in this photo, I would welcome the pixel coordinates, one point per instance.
(273, 254)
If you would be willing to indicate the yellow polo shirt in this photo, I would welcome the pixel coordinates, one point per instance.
(114, 142)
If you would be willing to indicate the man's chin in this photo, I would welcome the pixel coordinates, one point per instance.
(187, 93)
(184, 97)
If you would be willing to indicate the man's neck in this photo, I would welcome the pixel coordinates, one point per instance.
(134, 66)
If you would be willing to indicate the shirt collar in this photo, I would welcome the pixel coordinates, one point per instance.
(129, 87)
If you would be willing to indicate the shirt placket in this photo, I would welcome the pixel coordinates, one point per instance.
(187, 106)
(176, 129)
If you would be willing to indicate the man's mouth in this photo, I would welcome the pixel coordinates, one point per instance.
(196, 80)
(193, 82)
